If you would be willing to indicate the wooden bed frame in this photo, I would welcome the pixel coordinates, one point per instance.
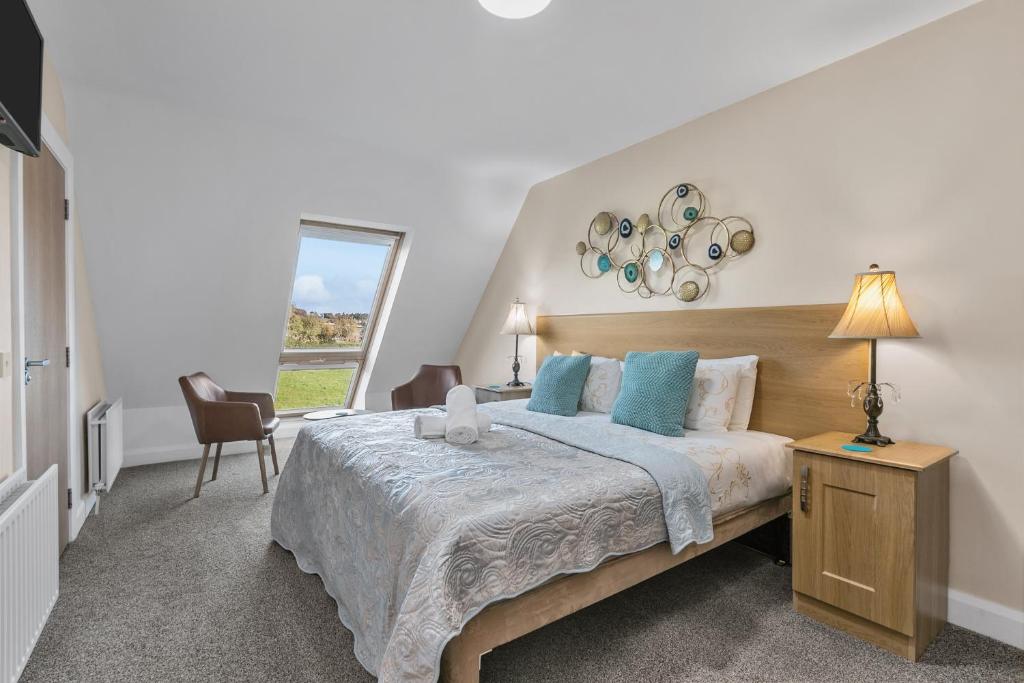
(801, 391)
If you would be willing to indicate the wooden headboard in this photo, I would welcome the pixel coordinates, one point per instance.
(801, 375)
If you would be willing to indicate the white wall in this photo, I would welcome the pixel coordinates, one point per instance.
(434, 116)
(193, 240)
(6, 331)
(86, 367)
(910, 155)
(87, 371)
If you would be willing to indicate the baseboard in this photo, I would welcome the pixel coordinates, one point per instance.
(192, 451)
(987, 618)
(81, 513)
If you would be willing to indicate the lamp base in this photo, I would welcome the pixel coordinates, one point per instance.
(873, 409)
(515, 383)
(874, 440)
(515, 367)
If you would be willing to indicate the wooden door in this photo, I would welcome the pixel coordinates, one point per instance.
(46, 395)
(854, 542)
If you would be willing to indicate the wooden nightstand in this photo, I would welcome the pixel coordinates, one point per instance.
(501, 392)
(871, 539)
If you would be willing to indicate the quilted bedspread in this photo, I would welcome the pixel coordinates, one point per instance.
(412, 538)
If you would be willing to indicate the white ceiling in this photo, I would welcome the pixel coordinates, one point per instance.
(434, 115)
(446, 80)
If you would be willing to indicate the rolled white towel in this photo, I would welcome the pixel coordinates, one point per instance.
(428, 426)
(432, 426)
(460, 428)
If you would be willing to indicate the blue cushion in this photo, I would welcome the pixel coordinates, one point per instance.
(655, 390)
(559, 385)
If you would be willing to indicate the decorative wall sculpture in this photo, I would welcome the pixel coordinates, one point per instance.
(675, 255)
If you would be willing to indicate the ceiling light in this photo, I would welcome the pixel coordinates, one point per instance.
(514, 9)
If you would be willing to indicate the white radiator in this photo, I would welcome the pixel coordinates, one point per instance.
(28, 570)
(106, 443)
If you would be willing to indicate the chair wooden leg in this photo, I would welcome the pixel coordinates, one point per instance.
(273, 453)
(202, 470)
(263, 465)
(216, 462)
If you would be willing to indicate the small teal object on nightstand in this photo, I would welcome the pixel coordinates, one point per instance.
(856, 447)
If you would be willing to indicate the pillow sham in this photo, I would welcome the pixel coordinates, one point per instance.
(745, 395)
(713, 396)
(655, 390)
(602, 385)
(559, 384)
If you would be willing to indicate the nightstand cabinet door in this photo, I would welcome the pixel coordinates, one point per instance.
(853, 537)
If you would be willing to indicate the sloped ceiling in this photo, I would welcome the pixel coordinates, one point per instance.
(203, 128)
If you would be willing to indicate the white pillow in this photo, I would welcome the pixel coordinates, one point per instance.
(715, 386)
(745, 398)
(602, 385)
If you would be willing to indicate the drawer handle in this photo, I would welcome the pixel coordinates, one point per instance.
(805, 505)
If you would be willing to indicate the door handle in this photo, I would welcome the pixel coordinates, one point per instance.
(805, 504)
(34, 364)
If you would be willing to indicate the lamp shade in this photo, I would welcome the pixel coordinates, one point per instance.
(875, 309)
(517, 321)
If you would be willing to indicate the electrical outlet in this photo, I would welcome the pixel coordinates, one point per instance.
(5, 363)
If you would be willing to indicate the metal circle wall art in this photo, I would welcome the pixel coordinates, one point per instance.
(673, 254)
(689, 291)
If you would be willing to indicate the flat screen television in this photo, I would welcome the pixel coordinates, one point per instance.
(21, 78)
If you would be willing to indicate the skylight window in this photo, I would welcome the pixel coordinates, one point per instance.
(341, 276)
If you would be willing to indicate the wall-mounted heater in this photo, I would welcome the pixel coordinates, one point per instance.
(28, 569)
(106, 443)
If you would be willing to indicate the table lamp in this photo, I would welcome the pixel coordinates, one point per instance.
(517, 323)
(875, 311)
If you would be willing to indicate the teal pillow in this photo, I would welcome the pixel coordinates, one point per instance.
(655, 390)
(559, 385)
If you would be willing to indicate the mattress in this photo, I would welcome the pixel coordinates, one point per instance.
(743, 468)
(412, 538)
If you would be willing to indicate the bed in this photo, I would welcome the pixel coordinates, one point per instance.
(436, 554)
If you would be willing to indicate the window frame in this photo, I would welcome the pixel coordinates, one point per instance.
(339, 358)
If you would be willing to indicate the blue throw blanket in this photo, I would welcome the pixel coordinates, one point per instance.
(683, 485)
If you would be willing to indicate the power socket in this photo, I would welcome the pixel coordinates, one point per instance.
(5, 363)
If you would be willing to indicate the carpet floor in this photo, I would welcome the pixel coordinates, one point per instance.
(161, 587)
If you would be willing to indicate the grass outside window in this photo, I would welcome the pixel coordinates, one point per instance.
(315, 388)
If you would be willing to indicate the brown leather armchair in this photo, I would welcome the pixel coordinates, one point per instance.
(429, 387)
(220, 416)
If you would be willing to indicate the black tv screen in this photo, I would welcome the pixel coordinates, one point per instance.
(21, 77)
